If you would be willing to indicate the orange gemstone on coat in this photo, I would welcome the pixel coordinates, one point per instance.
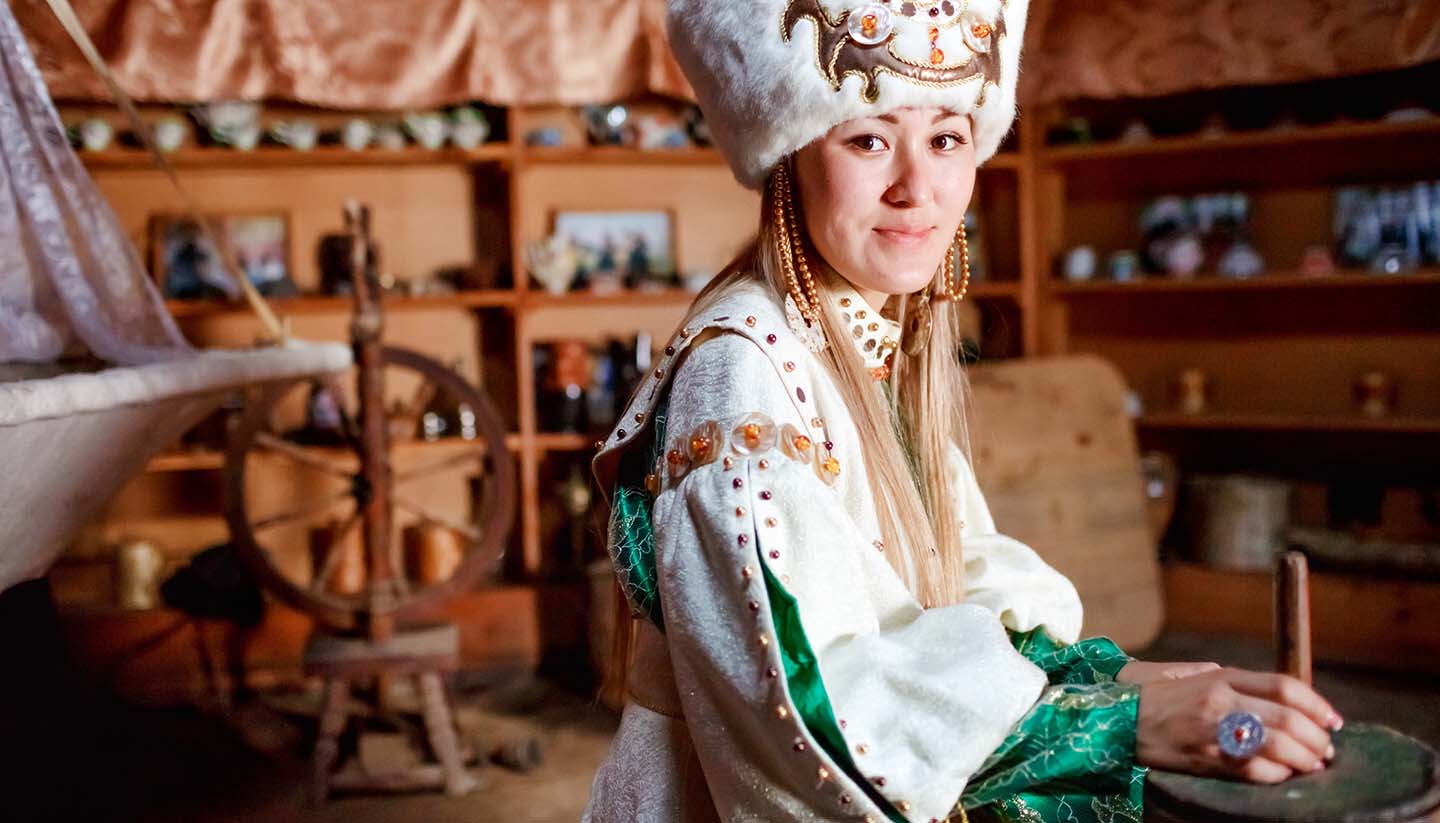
(752, 435)
(700, 447)
(868, 24)
(831, 465)
(802, 443)
(980, 30)
(937, 56)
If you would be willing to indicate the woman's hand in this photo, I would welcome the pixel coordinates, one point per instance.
(1178, 720)
(1140, 672)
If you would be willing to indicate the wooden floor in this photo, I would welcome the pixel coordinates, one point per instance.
(121, 761)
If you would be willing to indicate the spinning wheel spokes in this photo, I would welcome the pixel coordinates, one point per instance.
(300, 454)
(334, 553)
(468, 531)
(305, 512)
(356, 569)
(451, 462)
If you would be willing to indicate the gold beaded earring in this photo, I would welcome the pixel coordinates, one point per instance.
(802, 300)
(949, 290)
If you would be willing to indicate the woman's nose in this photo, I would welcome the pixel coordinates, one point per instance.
(912, 183)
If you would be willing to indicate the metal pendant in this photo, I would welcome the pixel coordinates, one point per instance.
(917, 326)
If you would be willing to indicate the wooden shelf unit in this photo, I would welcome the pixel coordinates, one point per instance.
(1281, 350)
(1035, 201)
(1278, 281)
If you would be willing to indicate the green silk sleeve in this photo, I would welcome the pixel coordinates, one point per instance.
(1093, 660)
(1071, 758)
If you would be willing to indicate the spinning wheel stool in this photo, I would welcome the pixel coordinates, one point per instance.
(372, 630)
(1378, 774)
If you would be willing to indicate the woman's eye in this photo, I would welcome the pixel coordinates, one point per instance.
(868, 142)
(948, 141)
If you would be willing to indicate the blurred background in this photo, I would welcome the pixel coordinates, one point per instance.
(1236, 203)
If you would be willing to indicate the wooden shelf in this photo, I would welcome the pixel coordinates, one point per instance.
(326, 304)
(666, 297)
(1288, 422)
(273, 157)
(1007, 160)
(1191, 144)
(1355, 618)
(179, 460)
(621, 156)
(995, 289)
(563, 441)
(1264, 282)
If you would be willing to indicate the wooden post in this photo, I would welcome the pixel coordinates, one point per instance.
(1292, 616)
(365, 334)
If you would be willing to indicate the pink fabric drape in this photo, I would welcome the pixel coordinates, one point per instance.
(1146, 48)
(375, 54)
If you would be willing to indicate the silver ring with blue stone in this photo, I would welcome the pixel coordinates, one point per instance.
(1240, 735)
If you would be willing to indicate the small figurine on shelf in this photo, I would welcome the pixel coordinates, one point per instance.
(468, 127)
(299, 134)
(357, 134)
(324, 420)
(553, 262)
(697, 127)
(138, 564)
(231, 123)
(1375, 394)
(1192, 391)
(170, 132)
(1171, 244)
(545, 137)
(95, 134)
(1122, 266)
(1238, 259)
(444, 416)
(575, 497)
(1317, 261)
(608, 125)
(426, 128)
(660, 131)
(1079, 264)
(566, 365)
(390, 136)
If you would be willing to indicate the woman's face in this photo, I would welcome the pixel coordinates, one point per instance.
(884, 196)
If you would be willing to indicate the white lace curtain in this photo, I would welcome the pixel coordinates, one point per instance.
(70, 280)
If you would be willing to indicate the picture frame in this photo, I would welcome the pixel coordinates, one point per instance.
(630, 247)
(186, 267)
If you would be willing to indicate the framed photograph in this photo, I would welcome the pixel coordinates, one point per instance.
(187, 267)
(633, 247)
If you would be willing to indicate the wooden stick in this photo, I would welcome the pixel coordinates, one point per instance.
(1292, 616)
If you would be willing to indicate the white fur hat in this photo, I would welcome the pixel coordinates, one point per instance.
(773, 75)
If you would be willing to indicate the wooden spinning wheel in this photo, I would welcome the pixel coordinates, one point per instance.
(363, 490)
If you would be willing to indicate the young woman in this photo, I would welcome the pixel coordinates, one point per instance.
(826, 624)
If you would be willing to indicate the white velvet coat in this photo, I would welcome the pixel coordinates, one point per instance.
(923, 696)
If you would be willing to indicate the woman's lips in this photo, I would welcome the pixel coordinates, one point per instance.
(904, 236)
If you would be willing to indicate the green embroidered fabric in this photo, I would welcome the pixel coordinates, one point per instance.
(631, 529)
(1071, 759)
(1093, 660)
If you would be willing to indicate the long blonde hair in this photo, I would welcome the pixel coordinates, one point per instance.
(907, 435)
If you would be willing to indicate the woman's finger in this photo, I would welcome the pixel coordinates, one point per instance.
(1260, 769)
(1281, 745)
(1286, 690)
(1294, 724)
